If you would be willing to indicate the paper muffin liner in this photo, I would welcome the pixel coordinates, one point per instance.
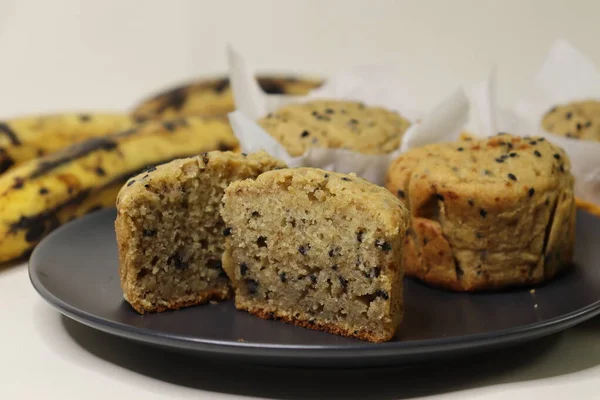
(372, 85)
(566, 75)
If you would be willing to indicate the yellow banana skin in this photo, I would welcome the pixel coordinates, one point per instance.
(213, 97)
(41, 194)
(23, 139)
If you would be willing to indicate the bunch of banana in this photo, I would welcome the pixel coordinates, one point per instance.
(213, 97)
(24, 139)
(41, 194)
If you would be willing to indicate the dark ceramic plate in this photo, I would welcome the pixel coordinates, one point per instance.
(75, 270)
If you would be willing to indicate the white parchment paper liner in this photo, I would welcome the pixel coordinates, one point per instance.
(373, 85)
(566, 75)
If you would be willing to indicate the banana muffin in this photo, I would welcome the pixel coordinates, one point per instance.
(579, 120)
(316, 249)
(170, 233)
(486, 214)
(335, 124)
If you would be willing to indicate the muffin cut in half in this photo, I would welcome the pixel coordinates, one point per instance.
(486, 214)
(170, 233)
(317, 249)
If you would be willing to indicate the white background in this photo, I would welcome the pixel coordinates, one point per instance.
(84, 55)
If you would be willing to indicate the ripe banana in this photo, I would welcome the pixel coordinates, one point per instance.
(213, 97)
(23, 139)
(41, 194)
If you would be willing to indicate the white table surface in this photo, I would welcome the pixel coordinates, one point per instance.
(106, 55)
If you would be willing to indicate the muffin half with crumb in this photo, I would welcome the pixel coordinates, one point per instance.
(317, 249)
(170, 234)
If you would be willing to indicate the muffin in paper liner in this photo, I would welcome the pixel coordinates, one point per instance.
(565, 76)
(372, 85)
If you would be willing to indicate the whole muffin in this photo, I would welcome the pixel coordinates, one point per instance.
(580, 120)
(486, 214)
(335, 124)
(213, 97)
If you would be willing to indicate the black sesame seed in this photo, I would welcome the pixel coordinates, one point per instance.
(385, 246)
(562, 168)
(149, 232)
(313, 278)
(588, 124)
(500, 160)
(255, 214)
(245, 154)
(131, 182)
(482, 212)
(487, 172)
(343, 281)
(471, 202)
(569, 134)
(314, 113)
(401, 194)
(460, 149)
(425, 241)
(504, 156)
(541, 139)
(283, 277)
(512, 176)
(243, 269)
(533, 143)
(359, 236)
(100, 171)
(326, 176)
(44, 190)
(579, 126)
(557, 156)
(227, 231)
(569, 115)
(329, 111)
(346, 179)
(531, 192)
(478, 235)
(440, 196)
(537, 153)
(383, 294)
(513, 155)
(251, 286)
(334, 267)
(353, 121)
(305, 133)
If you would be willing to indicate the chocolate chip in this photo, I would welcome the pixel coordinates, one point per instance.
(588, 124)
(205, 158)
(243, 269)
(149, 232)
(460, 149)
(326, 176)
(531, 192)
(579, 126)
(177, 262)
(383, 294)
(302, 250)
(43, 190)
(533, 143)
(557, 156)
(313, 278)
(482, 212)
(227, 231)
(562, 168)
(537, 153)
(401, 194)
(305, 133)
(255, 214)
(425, 241)
(471, 202)
(343, 281)
(375, 272)
(329, 111)
(346, 179)
(283, 277)
(512, 176)
(569, 115)
(500, 160)
(440, 197)
(100, 171)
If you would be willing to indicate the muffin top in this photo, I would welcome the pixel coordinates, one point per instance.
(489, 175)
(579, 120)
(335, 124)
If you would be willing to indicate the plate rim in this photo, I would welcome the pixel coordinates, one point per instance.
(409, 348)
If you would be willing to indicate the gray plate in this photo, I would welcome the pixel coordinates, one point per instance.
(75, 270)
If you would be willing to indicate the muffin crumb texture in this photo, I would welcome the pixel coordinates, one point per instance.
(335, 124)
(317, 249)
(486, 214)
(170, 233)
